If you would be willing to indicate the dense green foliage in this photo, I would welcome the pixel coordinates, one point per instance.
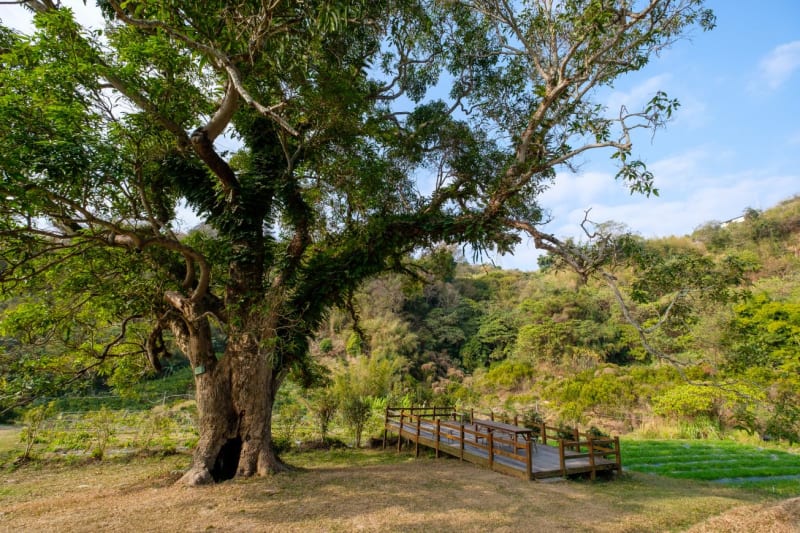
(481, 336)
(547, 341)
(322, 233)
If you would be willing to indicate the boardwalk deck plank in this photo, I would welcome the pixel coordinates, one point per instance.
(546, 460)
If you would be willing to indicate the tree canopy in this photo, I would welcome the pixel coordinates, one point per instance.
(366, 131)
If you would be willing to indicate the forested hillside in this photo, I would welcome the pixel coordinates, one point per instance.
(711, 343)
(689, 336)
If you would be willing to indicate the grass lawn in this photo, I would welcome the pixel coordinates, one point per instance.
(770, 470)
(10, 445)
(359, 490)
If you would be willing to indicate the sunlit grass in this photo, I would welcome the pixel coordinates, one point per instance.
(349, 490)
(10, 445)
(779, 487)
(752, 467)
(344, 457)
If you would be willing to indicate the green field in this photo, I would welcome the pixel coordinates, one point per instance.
(731, 463)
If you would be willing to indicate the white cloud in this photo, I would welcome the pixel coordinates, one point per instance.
(576, 188)
(678, 170)
(186, 218)
(638, 95)
(692, 114)
(525, 257)
(712, 198)
(716, 199)
(778, 65)
(19, 18)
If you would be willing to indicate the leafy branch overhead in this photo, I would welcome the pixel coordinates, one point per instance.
(349, 156)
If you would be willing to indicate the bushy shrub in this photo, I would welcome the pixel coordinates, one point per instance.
(326, 345)
(596, 432)
(356, 411)
(508, 374)
(701, 427)
(102, 426)
(686, 401)
(288, 418)
(323, 406)
(34, 420)
(533, 419)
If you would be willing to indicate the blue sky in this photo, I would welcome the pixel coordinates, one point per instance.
(733, 144)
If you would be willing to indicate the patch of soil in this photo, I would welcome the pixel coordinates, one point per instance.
(783, 517)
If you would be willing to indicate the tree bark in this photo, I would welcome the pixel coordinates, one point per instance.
(236, 394)
(217, 418)
(235, 402)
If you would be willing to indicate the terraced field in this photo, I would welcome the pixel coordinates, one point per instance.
(764, 469)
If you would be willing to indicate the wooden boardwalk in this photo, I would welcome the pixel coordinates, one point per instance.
(507, 448)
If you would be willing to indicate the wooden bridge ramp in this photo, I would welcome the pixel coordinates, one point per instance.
(503, 447)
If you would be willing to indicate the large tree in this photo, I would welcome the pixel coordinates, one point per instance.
(365, 131)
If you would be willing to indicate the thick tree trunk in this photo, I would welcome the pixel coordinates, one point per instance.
(253, 398)
(235, 394)
(217, 427)
(217, 418)
(235, 397)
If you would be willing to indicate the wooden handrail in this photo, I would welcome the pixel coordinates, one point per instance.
(442, 428)
(593, 452)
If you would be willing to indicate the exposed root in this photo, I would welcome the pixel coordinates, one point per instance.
(278, 467)
(196, 476)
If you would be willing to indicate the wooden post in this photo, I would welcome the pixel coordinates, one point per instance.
(416, 445)
(516, 420)
(400, 431)
(529, 458)
(577, 438)
(385, 426)
(461, 456)
(472, 416)
(544, 432)
(593, 474)
(561, 457)
(491, 451)
(491, 415)
(438, 430)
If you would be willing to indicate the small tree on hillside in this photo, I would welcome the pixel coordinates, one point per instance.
(323, 404)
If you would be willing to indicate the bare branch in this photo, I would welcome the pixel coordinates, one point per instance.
(37, 6)
(124, 327)
(224, 114)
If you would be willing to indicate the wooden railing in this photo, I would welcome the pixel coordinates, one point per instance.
(542, 431)
(573, 444)
(447, 429)
(595, 447)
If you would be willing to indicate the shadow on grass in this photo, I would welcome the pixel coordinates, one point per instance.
(428, 494)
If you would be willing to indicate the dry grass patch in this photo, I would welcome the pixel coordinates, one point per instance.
(783, 517)
(366, 491)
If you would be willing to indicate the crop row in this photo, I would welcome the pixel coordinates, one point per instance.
(771, 470)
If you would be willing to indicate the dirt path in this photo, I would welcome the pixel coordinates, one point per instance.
(414, 495)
